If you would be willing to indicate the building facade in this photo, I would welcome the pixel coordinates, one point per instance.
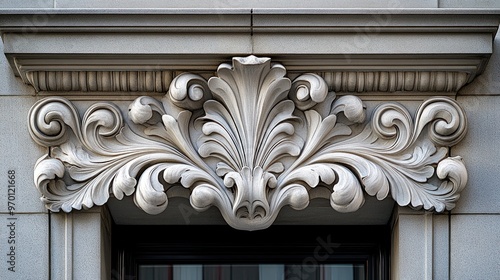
(249, 140)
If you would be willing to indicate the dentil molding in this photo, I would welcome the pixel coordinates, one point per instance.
(248, 141)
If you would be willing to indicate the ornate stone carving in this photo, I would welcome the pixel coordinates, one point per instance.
(249, 141)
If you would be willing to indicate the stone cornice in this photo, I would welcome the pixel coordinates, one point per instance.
(449, 44)
(258, 19)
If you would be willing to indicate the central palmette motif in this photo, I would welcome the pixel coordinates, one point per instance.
(249, 141)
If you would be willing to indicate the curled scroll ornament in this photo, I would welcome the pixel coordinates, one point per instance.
(249, 141)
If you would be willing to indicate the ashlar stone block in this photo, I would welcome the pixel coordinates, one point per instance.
(18, 155)
(24, 246)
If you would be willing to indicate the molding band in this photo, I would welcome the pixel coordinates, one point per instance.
(122, 81)
(386, 81)
(159, 81)
(449, 42)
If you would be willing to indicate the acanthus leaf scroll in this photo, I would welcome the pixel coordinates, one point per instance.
(248, 141)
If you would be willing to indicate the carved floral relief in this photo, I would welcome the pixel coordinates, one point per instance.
(249, 141)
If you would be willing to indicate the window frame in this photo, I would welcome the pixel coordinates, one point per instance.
(133, 245)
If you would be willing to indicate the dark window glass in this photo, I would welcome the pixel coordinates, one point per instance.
(252, 272)
(223, 253)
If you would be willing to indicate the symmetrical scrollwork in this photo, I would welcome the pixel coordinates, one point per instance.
(249, 141)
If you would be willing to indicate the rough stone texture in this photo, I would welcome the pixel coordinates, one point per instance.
(31, 246)
(474, 247)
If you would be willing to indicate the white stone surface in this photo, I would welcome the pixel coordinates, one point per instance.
(481, 195)
(474, 249)
(61, 242)
(440, 247)
(487, 83)
(31, 246)
(420, 245)
(18, 152)
(258, 43)
(80, 246)
(91, 246)
(9, 84)
(174, 43)
(26, 4)
(469, 4)
(408, 248)
(361, 43)
(250, 4)
(247, 4)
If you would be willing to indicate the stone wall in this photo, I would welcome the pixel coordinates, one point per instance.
(457, 244)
